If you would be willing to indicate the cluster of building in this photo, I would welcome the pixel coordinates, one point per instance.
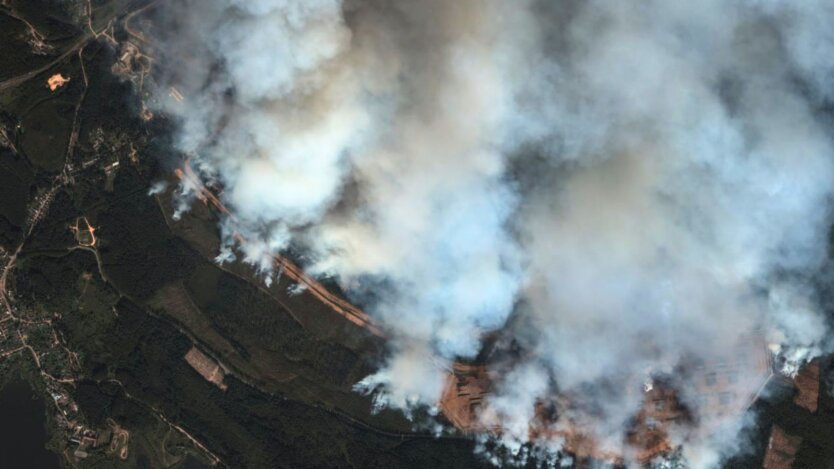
(87, 439)
(133, 65)
(69, 421)
(109, 148)
(82, 439)
(9, 339)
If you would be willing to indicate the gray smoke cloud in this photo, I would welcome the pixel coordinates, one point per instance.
(633, 183)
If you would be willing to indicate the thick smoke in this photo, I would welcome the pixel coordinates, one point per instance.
(636, 183)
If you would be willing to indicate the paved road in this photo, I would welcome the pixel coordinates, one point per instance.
(15, 81)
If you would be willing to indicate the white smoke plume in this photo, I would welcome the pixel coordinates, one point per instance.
(635, 183)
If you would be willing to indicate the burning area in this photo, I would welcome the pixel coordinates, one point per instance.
(586, 228)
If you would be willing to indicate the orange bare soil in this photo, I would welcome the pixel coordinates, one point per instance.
(119, 440)
(465, 403)
(781, 449)
(807, 382)
(85, 236)
(208, 368)
(56, 81)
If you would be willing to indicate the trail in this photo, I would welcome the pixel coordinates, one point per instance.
(137, 34)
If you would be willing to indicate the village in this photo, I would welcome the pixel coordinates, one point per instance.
(31, 331)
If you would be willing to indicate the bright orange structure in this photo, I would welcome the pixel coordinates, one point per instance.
(56, 81)
(84, 235)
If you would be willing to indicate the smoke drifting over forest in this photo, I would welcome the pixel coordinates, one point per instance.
(634, 183)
